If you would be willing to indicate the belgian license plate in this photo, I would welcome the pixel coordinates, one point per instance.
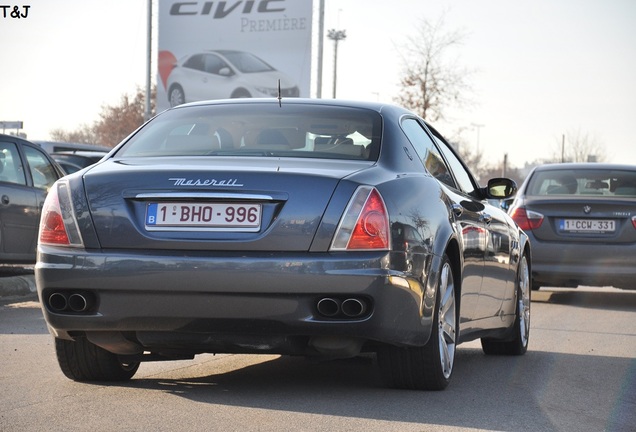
(587, 225)
(203, 216)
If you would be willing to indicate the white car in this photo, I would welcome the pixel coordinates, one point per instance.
(225, 74)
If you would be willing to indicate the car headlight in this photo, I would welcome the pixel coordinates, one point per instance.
(267, 90)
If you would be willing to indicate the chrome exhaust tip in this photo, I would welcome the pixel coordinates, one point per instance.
(328, 307)
(352, 307)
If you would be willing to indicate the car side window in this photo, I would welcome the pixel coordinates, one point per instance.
(214, 64)
(462, 176)
(42, 170)
(427, 151)
(11, 170)
(195, 62)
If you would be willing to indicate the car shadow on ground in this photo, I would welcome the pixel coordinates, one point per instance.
(8, 270)
(521, 389)
(613, 299)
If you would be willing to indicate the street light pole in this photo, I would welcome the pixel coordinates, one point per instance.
(321, 36)
(147, 111)
(478, 126)
(336, 36)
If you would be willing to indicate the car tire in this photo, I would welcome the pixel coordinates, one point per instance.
(176, 95)
(429, 367)
(518, 344)
(240, 93)
(81, 360)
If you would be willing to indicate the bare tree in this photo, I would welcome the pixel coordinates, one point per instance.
(84, 134)
(118, 121)
(578, 146)
(479, 165)
(431, 82)
(473, 159)
(115, 122)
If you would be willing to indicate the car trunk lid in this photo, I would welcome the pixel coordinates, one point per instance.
(212, 203)
(585, 219)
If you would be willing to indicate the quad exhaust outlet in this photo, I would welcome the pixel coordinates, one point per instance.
(353, 307)
(74, 302)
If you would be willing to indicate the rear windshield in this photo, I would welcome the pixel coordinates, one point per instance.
(268, 130)
(583, 182)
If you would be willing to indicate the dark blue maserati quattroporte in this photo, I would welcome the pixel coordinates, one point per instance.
(318, 228)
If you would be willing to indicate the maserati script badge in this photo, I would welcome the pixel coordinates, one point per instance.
(205, 182)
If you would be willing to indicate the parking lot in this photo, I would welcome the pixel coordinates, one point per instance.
(16, 281)
(579, 374)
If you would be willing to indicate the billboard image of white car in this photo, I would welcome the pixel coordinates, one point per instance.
(223, 74)
(233, 49)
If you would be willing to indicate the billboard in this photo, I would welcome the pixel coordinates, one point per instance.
(233, 48)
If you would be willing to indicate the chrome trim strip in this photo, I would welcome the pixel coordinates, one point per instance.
(205, 195)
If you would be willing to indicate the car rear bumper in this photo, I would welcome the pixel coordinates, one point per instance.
(570, 265)
(230, 302)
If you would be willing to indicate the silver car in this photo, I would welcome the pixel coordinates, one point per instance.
(317, 228)
(581, 221)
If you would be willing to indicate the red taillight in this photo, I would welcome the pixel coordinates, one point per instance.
(372, 227)
(365, 224)
(52, 229)
(58, 225)
(634, 221)
(527, 219)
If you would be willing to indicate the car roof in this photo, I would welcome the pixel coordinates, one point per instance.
(58, 146)
(82, 153)
(15, 138)
(376, 106)
(583, 165)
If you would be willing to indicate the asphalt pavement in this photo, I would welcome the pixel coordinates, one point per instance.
(16, 281)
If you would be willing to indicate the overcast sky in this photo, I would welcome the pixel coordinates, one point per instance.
(542, 68)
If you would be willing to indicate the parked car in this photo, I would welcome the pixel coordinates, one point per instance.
(26, 174)
(61, 146)
(310, 227)
(581, 221)
(72, 161)
(225, 74)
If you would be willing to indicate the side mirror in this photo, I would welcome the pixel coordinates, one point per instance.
(501, 188)
(225, 71)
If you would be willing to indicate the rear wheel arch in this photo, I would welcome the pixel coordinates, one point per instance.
(528, 253)
(241, 93)
(526, 250)
(452, 251)
(179, 95)
(427, 367)
(453, 254)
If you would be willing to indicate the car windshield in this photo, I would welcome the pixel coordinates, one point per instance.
(599, 182)
(246, 62)
(267, 130)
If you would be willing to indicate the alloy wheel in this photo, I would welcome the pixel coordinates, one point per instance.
(447, 320)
